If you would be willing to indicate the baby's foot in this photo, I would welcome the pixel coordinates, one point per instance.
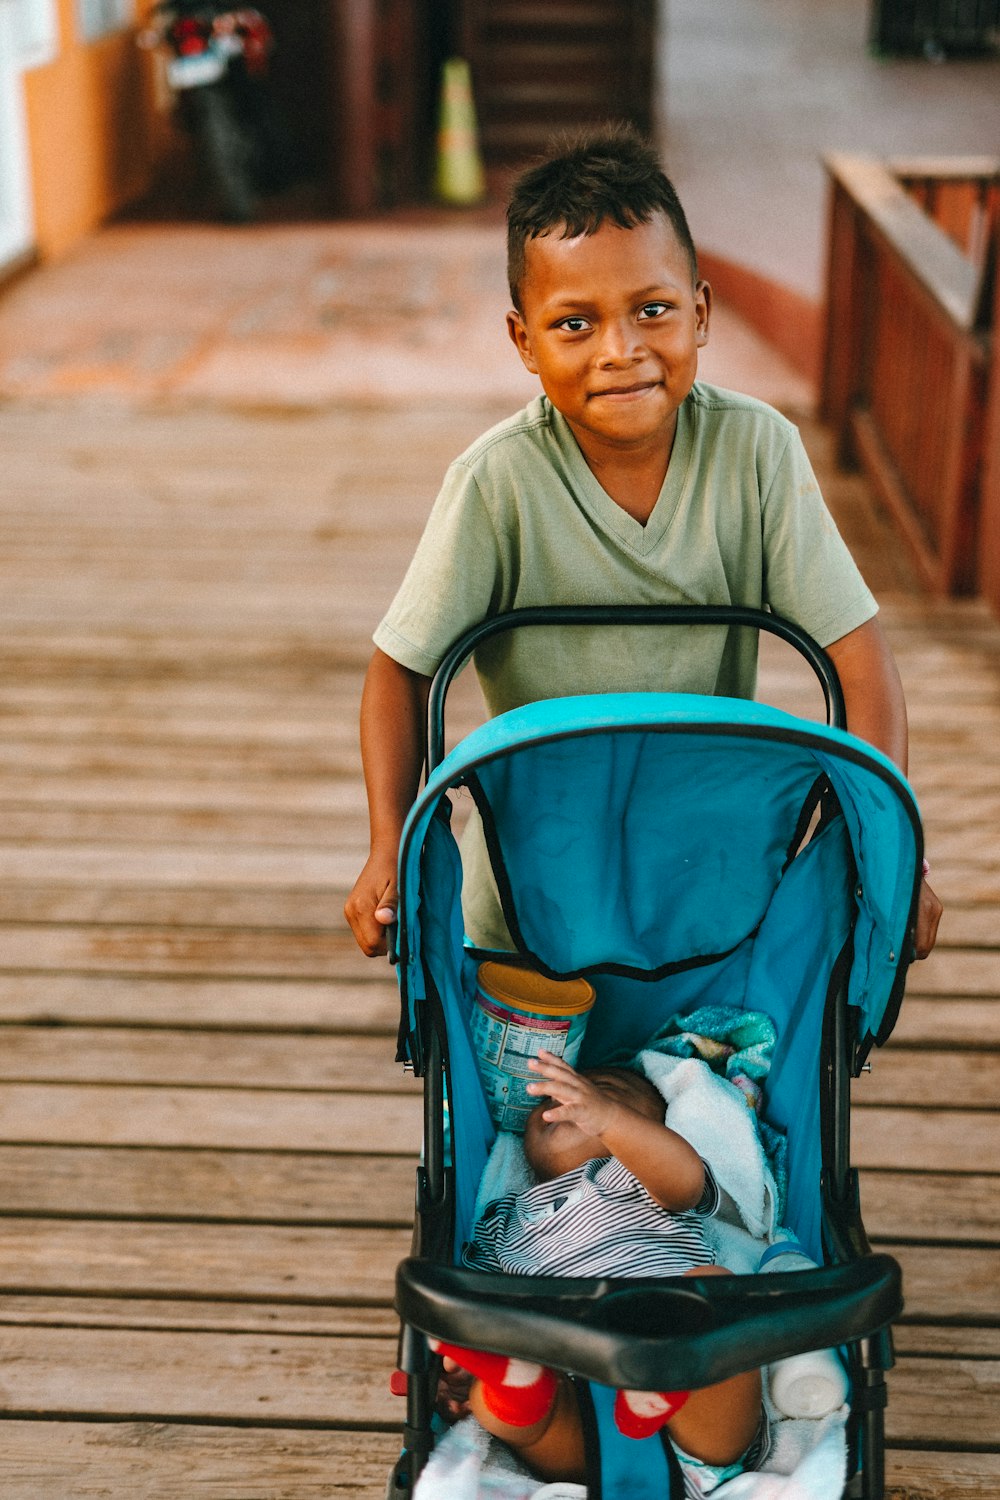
(516, 1391)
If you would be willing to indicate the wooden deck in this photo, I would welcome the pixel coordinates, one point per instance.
(206, 1152)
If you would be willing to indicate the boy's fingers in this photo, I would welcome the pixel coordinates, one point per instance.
(928, 916)
(385, 906)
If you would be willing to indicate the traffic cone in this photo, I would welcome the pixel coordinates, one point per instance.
(459, 176)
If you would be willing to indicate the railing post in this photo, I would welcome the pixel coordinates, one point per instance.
(842, 359)
(957, 539)
(989, 503)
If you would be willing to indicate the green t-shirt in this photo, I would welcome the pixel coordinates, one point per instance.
(521, 520)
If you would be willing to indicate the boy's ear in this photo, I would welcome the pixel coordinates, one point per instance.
(519, 338)
(703, 312)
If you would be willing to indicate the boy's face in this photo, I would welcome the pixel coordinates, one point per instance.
(612, 325)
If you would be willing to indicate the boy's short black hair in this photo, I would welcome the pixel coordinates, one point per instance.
(610, 173)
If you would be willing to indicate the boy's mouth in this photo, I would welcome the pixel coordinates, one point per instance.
(624, 392)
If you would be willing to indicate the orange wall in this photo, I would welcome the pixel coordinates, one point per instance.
(92, 132)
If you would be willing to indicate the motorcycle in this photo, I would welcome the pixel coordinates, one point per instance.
(217, 69)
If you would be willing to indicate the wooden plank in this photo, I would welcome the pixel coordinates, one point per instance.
(946, 1403)
(151, 1461)
(959, 1284)
(193, 826)
(899, 1076)
(257, 1263)
(368, 1005)
(957, 971)
(243, 1186)
(984, 169)
(935, 1206)
(199, 1315)
(970, 926)
(215, 763)
(142, 1373)
(204, 1059)
(941, 1476)
(921, 1139)
(300, 796)
(164, 864)
(964, 1023)
(68, 904)
(947, 1339)
(156, 950)
(240, 1119)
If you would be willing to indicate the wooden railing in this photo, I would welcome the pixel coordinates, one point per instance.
(911, 379)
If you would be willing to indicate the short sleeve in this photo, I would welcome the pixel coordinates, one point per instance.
(810, 576)
(708, 1203)
(453, 580)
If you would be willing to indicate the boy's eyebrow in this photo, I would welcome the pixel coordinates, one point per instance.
(583, 299)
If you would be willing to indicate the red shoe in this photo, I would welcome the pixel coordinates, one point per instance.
(638, 1414)
(516, 1392)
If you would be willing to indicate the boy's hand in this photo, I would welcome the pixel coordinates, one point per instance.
(371, 907)
(573, 1098)
(928, 916)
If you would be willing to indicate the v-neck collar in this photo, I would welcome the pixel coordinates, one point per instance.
(607, 513)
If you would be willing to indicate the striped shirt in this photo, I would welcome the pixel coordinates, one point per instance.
(597, 1220)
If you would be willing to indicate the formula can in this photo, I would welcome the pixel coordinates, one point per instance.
(518, 1012)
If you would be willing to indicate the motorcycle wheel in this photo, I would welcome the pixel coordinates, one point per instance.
(225, 151)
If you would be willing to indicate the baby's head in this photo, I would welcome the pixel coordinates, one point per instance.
(554, 1147)
(604, 176)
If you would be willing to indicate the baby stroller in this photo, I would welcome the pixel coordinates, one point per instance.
(677, 851)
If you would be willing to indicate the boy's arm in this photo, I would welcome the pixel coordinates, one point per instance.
(876, 712)
(393, 734)
(668, 1167)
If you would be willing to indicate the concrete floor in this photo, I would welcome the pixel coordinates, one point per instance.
(755, 91)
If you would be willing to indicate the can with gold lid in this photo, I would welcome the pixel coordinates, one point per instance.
(517, 1012)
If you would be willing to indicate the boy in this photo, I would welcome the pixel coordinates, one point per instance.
(618, 1193)
(625, 482)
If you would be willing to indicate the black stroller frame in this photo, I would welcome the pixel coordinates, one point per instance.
(629, 1333)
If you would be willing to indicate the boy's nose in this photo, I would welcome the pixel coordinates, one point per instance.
(620, 343)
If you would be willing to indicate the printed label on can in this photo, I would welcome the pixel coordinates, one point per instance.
(505, 1040)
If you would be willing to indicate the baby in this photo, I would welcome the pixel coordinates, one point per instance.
(619, 1193)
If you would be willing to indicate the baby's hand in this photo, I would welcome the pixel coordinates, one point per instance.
(573, 1098)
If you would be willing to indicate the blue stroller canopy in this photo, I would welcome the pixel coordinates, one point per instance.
(646, 834)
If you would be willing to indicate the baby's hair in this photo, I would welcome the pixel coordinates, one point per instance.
(629, 1070)
(610, 174)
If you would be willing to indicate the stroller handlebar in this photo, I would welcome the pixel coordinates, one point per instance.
(645, 1334)
(627, 614)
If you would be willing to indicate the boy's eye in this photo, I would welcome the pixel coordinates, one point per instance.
(653, 309)
(574, 324)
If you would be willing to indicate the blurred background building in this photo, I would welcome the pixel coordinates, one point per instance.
(86, 126)
(86, 118)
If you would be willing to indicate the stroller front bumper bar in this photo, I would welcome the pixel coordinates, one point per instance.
(651, 1334)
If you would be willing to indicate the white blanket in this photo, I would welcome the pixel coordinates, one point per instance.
(468, 1464)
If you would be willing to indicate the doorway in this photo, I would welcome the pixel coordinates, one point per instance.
(16, 221)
